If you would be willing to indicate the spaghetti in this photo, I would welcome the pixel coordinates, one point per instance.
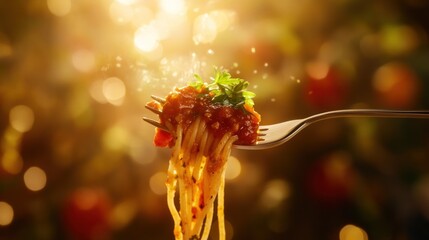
(203, 122)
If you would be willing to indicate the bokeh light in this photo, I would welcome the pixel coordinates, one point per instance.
(35, 179)
(126, 2)
(398, 39)
(175, 7)
(224, 19)
(157, 183)
(205, 29)
(12, 161)
(114, 90)
(120, 12)
(146, 38)
(6, 49)
(352, 232)
(233, 168)
(396, 85)
(123, 213)
(59, 8)
(83, 60)
(141, 15)
(229, 230)
(21, 118)
(142, 155)
(275, 192)
(96, 91)
(317, 69)
(6, 214)
(115, 138)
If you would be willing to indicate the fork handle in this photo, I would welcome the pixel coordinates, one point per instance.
(385, 113)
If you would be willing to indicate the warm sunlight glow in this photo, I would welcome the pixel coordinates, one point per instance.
(141, 15)
(223, 18)
(173, 6)
(205, 29)
(126, 2)
(121, 13)
(146, 38)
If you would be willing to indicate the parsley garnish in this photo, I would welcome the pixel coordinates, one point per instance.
(226, 90)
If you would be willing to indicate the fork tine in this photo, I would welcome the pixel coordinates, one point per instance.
(158, 99)
(260, 139)
(261, 131)
(152, 109)
(155, 123)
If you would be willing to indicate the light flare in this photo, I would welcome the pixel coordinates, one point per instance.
(146, 38)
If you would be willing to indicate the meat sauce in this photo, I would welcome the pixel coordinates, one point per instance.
(184, 105)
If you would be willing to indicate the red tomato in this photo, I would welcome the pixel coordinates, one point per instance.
(331, 179)
(396, 85)
(86, 214)
(162, 138)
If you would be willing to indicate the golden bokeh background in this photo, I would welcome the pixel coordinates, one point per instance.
(77, 161)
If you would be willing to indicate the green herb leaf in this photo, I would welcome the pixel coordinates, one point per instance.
(198, 83)
(226, 90)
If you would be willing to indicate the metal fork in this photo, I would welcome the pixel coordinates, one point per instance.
(276, 134)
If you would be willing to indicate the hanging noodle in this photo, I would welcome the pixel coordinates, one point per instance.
(201, 135)
(197, 168)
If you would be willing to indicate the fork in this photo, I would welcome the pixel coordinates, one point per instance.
(270, 136)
